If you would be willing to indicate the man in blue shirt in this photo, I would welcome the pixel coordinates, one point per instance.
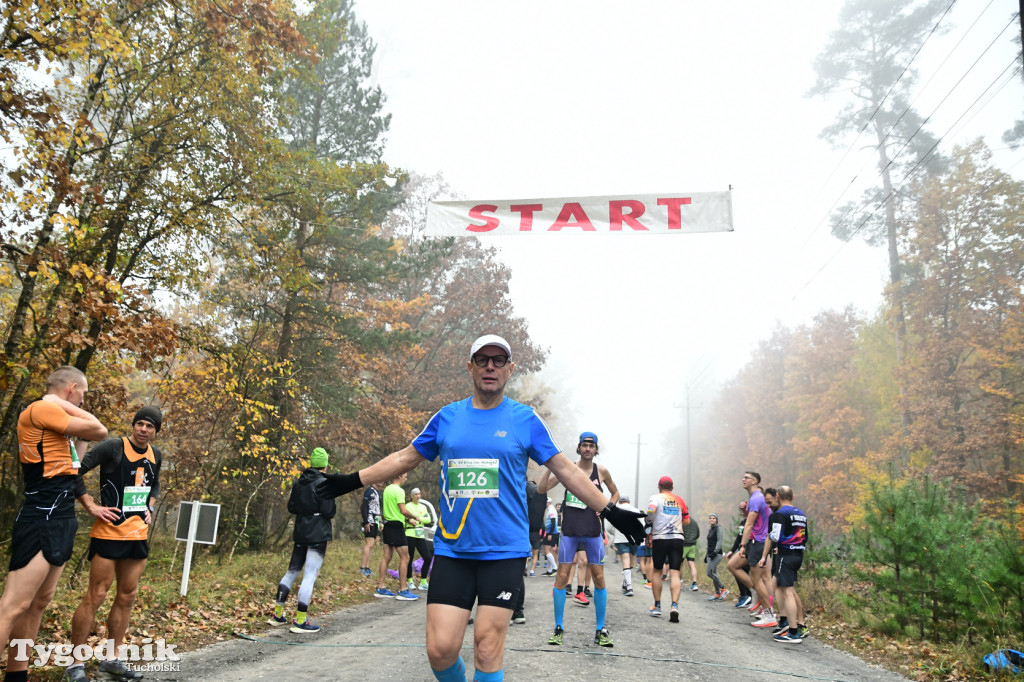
(483, 444)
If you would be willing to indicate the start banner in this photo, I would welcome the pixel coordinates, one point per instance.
(635, 214)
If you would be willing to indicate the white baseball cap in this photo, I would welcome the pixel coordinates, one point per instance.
(490, 340)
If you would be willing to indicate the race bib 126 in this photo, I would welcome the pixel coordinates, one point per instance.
(473, 478)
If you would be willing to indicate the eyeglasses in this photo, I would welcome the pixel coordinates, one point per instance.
(481, 360)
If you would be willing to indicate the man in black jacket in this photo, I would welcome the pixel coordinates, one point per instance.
(312, 502)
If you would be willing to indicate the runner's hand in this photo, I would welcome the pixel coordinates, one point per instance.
(627, 522)
(108, 514)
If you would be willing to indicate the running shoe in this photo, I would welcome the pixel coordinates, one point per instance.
(629, 592)
(647, 584)
(410, 586)
(76, 674)
(802, 630)
(602, 638)
(424, 585)
(384, 593)
(717, 596)
(744, 601)
(556, 638)
(550, 572)
(303, 628)
(788, 637)
(723, 594)
(406, 595)
(768, 621)
(783, 626)
(673, 615)
(664, 577)
(277, 620)
(366, 572)
(693, 587)
(518, 617)
(586, 591)
(531, 574)
(568, 591)
(655, 610)
(117, 668)
(581, 599)
(755, 606)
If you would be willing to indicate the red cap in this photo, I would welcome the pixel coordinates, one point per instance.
(665, 482)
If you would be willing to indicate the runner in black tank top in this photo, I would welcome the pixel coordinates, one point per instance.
(582, 531)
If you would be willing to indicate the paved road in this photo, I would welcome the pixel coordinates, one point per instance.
(384, 640)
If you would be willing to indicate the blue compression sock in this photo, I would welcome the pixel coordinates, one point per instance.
(456, 673)
(600, 605)
(496, 676)
(559, 595)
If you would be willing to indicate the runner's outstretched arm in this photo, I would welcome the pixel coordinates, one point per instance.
(384, 470)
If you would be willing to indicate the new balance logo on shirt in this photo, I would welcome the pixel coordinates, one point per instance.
(500, 434)
(505, 596)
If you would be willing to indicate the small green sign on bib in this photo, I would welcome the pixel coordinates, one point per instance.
(473, 478)
(135, 498)
(573, 501)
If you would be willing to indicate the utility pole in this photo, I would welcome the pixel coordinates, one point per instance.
(636, 493)
(689, 457)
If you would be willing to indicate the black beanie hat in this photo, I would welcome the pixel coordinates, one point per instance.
(150, 413)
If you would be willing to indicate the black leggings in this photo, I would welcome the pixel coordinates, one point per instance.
(426, 549)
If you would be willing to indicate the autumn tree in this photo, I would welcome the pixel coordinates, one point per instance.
(869, 58)
(128, 164)
(965, 264)
(299, 281)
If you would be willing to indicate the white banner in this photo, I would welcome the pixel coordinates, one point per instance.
(634, 214)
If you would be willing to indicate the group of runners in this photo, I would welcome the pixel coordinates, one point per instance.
(54, 433)
(491, 534)
(483, 548)
(766, 559)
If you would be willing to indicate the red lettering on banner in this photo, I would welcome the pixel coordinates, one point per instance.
(616, 217)
(575, 211)
(526, 212)
(477, 213)
(675, 214)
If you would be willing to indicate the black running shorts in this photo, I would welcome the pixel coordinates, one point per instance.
(488, 582)
(670, 550)
(552, 539)
(754, 552)
(372, 532)
(535, 539)
(118, 549)
(788, 565)
(394, 533)
(55, 538)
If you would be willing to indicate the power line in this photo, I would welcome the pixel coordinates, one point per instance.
(875, 113)
(951, 90)
(907, 176)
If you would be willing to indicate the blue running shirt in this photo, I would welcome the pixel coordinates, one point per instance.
(483, 516)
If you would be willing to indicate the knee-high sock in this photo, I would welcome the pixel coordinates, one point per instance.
(552, 564)
(559, 598)
(600, 605)
(496, 676)
(456, 673)
(627, 577)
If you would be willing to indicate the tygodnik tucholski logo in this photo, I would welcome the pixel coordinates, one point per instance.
(152, 655)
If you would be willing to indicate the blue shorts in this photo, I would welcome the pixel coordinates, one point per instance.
(641, 550)
(568, 546)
